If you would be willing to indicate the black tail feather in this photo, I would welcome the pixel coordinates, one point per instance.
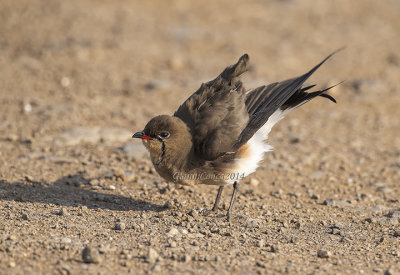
(300, 97)
(308, 87)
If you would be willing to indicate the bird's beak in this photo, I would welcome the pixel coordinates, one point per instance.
(141, 135)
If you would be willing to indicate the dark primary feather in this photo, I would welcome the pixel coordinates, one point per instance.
(262, 102)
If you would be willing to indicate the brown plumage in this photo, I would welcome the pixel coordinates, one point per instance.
(218, 135)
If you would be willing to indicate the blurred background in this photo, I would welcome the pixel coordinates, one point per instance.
(122, 62)
(77, 78)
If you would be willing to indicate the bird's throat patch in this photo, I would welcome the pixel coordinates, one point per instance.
(162, 153)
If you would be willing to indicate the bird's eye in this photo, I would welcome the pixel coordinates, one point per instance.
(164, 135)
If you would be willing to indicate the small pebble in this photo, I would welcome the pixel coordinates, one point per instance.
(335, 231)
(187, 258)
(61, 212)
(65, 81)
(126, 264)
(157, 268)
(24, 217)
(323, 253)
(11, 238)
(254, 182)
(173, 232)
(12, 137)
(315, 196)
(294, 140)
(27, 108)
(119, 226)
(111, 187)
(124, 175)
(152, 256)
(66, 240)
(277, 193)
(94, 182)
(194, 213)
(128, 176)
(261, 264)
(394, 214)
(393, 270)
(29, 178)
(329, 202)
(275, 248)
(90, 255)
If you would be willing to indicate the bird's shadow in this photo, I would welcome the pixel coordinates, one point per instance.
(65, 192)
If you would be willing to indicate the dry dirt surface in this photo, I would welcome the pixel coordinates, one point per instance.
(79, 196)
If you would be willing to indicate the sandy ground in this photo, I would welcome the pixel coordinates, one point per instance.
(77, 78)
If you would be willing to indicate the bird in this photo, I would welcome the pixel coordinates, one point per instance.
(219, 135)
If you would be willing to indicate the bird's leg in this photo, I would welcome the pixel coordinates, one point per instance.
(217, 198)
(235, 189)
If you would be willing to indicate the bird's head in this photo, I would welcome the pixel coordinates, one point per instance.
(167, 138)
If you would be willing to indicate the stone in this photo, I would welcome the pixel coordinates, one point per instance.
(152, 256)
(254, 182)
(275, 248)
(94, 182)
(393, 270)
(119, 226)
(28, 178)
(61, 212)
(65, 81)
(194, 213)
(187, 258)
(323, 253)
(66, 240)
(28, 108)
(90, 255)
(329, 202)
(128, 176)
(394, 214)
(315, 196)
(173, 232)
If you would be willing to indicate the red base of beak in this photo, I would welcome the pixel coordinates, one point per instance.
(141, 135)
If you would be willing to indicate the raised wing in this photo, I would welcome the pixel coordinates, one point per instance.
(216, 113)
(262, 102)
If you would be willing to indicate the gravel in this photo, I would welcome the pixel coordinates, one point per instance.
(80, 78)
